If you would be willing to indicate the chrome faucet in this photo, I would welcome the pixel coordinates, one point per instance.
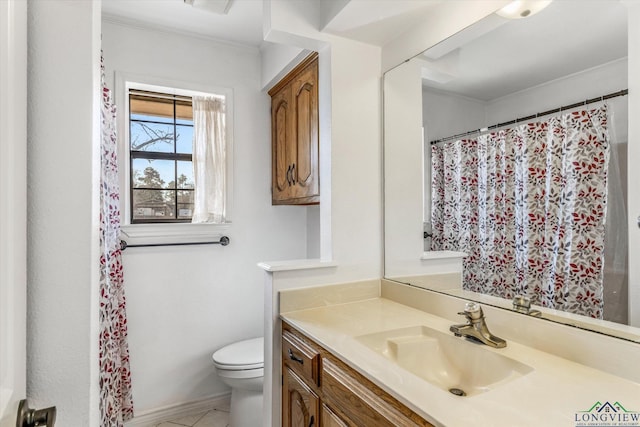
(522, 304)
(476, 327)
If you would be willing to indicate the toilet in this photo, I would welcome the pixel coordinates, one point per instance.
(241, 366)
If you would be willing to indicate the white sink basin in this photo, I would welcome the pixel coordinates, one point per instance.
(448, 362)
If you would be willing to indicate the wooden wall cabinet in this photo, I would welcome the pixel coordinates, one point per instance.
(294, 136)
(319, 390)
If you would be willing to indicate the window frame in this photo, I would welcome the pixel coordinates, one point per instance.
(166, 232)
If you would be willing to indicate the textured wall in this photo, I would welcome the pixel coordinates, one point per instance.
(186, 302)
(62, 222)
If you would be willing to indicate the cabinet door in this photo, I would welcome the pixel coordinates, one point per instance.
(305, 97)
(301, 358)
(330, 419)
(283, 149)
(300, 405)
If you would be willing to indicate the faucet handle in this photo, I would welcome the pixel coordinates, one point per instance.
(521, 302)
(472, 307)
(472, 311)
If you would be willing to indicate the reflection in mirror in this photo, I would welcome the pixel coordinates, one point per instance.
(537, 206)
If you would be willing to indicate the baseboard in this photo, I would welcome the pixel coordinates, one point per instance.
(155, 416)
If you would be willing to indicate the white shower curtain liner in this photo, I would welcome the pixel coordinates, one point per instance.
(616, 280)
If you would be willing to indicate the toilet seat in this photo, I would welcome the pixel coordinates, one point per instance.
(241, 366)
(247, 355)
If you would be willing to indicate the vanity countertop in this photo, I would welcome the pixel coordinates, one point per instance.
(558, 392)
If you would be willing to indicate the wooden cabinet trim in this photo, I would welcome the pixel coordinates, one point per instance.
(295, 136)
(292, 74)
(357, 400)
(329, 418)
(300, 357)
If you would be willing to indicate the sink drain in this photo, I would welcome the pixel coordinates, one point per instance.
(457, 391)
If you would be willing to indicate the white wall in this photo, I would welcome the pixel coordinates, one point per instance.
(350, 135)
(444, 114)
(633, 177)
(277, 60)
(62, 219)
(13, 208)
(403, 169)
(350, 165)
(590, 83)
(186, 302)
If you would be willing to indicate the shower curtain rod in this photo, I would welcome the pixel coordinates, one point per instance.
(533, 116)
(224, 241)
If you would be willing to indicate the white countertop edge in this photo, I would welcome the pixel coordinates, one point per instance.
(442, 255)
(573, 386)
(296, 264)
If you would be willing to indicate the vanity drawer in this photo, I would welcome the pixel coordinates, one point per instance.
(301, 357)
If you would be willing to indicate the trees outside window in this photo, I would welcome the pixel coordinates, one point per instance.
(161, 132)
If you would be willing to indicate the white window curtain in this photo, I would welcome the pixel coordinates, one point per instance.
(209, 160)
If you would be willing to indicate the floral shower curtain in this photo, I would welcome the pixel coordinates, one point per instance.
(528, 205)
(116, 405)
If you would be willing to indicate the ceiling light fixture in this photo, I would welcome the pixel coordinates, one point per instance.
(523, 8)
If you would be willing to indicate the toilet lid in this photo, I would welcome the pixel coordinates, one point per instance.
(247, 354)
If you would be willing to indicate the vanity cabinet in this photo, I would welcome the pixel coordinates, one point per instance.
(300, 405)
(294, 136)
(320, 390)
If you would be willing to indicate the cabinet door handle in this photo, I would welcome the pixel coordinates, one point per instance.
(293, 176)
(311, 421)
(295, 358)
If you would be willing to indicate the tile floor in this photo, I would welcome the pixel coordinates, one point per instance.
(218, 416)
(213, 418)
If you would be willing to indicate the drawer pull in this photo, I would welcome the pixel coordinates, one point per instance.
(311, 421)
(295, 358)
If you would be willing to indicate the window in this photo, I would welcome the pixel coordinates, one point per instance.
(161, 159)
(158, 120)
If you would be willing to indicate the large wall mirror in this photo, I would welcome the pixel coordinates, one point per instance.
(483, 98)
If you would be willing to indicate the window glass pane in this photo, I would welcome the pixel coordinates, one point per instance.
(149, 173)
(185, 204)
(185, 175)
(184, 122)
(152, 137)
(153, 205)
(184, 139)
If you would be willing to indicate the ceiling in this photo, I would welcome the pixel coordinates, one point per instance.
(376, 22)
(370, 21)
(567, 37)
(242, 24)
(486, 61)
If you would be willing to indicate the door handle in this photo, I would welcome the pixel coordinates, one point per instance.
(295, 358)
(289, 175)
(293, 176)
(28, 417)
